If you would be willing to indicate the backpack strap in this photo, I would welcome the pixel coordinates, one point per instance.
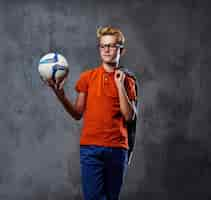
(131, 125)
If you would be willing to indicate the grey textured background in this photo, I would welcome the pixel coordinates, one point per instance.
(168, 47)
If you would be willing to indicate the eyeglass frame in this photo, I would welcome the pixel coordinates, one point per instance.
(110, 46)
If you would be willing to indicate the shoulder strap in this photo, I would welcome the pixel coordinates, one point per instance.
(131, 126)
(137, 85)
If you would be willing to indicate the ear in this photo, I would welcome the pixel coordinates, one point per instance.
(122, 51)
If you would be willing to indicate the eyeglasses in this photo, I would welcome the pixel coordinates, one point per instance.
(110, 46)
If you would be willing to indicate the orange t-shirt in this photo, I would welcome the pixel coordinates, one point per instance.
(103, 122)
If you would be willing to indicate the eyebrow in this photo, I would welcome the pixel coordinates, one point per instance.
(108, 43)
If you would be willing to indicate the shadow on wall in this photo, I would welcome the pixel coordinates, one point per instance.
(187, 174)
(182, 172)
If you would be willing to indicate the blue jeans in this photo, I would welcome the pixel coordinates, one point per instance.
(102, 171)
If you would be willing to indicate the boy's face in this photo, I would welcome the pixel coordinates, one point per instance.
(109, 49)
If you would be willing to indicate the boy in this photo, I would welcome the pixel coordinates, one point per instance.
(106, 100)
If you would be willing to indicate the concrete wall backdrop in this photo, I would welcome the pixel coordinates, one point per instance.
(168, 46)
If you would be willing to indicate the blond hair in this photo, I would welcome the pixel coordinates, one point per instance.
(109, 30)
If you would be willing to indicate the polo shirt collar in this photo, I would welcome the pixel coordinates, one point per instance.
(104, 71)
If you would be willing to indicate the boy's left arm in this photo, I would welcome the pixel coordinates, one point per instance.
(127, 105)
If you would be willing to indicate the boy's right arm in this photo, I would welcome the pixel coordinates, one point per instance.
(75, 110)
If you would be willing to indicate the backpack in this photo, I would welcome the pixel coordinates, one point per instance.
(131, 125)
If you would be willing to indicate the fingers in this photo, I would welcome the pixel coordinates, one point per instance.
(60, 82)
(51, 83)
(56, 85)
(61, 85)
(119, 75)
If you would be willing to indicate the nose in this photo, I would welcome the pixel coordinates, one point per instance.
(107, 48)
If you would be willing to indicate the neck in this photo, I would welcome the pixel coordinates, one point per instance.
(109, 67)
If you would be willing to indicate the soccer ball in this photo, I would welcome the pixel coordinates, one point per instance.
(53, 66)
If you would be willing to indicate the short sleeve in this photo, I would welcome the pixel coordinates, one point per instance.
(82, 83)
(130, 88)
